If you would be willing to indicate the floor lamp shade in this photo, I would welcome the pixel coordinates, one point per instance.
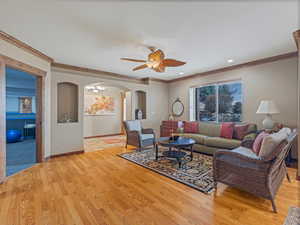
(268, 108)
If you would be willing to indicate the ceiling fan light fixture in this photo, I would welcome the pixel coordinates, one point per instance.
(230, 60)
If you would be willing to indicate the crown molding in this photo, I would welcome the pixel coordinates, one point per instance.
(147, 80)
(12, 40)
(94, 71)
(239, 66)
(296, 35)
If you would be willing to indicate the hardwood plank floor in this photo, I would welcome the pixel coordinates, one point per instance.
(102, 188)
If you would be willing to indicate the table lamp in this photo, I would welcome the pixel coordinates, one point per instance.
(267, 107)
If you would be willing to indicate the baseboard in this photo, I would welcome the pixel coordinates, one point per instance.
(105, 135)
(65, 154)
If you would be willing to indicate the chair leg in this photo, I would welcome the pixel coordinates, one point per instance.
(274, 206)
(288, 177)
(216, 188)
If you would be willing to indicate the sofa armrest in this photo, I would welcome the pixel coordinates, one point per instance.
(148, 131)
(248, 140)
(133, 136)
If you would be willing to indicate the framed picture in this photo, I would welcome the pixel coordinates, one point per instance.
(25, 104)
(98, 104)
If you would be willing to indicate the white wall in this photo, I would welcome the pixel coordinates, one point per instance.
(275, 80)
(16, 53)
(105, 124)
(69, 137)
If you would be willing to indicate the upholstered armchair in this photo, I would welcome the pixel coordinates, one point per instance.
(137, 136)
(261, 176)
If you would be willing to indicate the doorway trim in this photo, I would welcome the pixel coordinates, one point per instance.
(6, 61)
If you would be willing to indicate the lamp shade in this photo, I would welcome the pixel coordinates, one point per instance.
(267, 107)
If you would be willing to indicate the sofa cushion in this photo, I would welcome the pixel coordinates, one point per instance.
(146, 136)
(246, 152)
(204, 149)
(209, 129)
(191, 127)
(219, 142)
(240, 131)
(258, 141)
(197, 137)
(272, 141)
(252, 128)
(227, 130)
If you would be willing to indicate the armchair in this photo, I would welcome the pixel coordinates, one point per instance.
(243, 169)
(137, 136)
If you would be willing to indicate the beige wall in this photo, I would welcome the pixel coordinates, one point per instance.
(298, 112)
(275, 80)
(69, 137)
(16, 53)
(105, 124)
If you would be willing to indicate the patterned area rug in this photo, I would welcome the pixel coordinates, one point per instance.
(293, 217)
(197, 173)
(96, 144)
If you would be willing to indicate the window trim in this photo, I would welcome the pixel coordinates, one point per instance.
(216, 84)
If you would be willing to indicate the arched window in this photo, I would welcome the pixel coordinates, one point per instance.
(67, 102)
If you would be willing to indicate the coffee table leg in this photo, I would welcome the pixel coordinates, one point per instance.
(156, 151)
(179, 163)
(192, 155)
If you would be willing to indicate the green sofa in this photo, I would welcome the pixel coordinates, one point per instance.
(208, 138)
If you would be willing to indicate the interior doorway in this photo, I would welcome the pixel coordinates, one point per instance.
(105, 108)
(23, 113)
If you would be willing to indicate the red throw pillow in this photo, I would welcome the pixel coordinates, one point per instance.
(258, 141)
(240, 131)
(191, 127)
(227, 130)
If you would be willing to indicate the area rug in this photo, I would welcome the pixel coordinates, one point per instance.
(293, 217)
(197, 173)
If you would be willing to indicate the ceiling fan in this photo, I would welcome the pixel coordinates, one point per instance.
(156, 61)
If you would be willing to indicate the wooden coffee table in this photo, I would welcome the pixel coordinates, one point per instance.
(175, 147)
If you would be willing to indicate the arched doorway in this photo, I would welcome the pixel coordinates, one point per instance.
(106, 106)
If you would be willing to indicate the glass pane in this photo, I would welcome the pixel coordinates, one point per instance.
(230, 102)
(206, 103)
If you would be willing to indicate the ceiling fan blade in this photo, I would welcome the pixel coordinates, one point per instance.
(140, 67)
(156, 56)
(172, 62)
(133, 60)
(160, 68)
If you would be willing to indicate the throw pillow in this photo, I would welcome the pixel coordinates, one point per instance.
(240, 131)
(190, 127)
(272, 141)
(258, 141)
(227, 130)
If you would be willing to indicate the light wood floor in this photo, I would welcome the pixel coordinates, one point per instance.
(102, 188)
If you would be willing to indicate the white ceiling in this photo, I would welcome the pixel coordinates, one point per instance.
(96, 34)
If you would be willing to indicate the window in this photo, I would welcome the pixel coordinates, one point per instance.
(220, 102)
